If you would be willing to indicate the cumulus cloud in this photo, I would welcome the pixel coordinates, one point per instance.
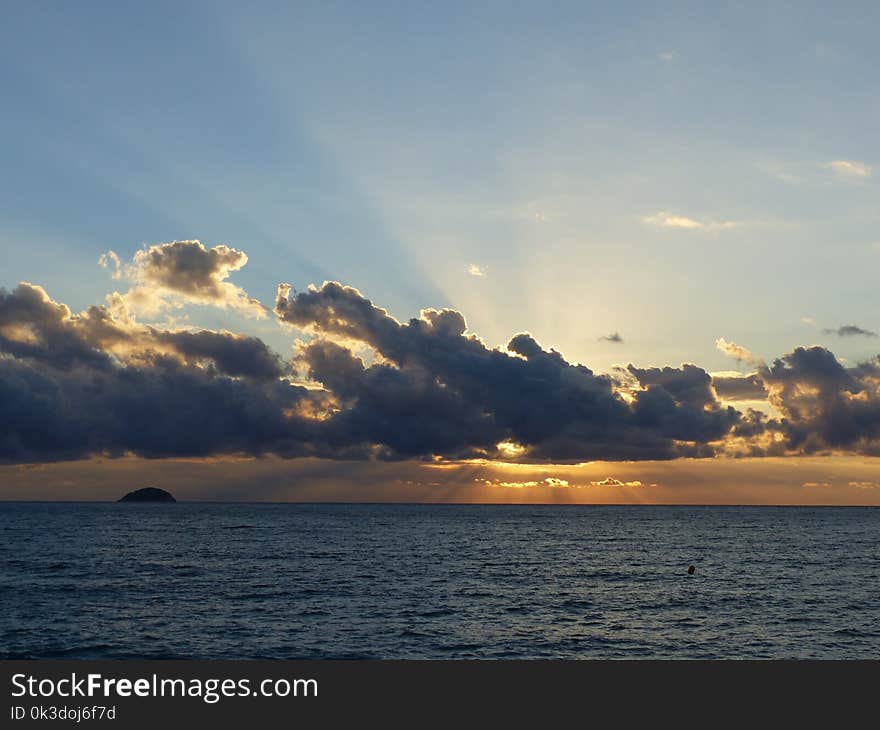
(672, 411)
(476, 270)
(32, 325)
(850, 330)
(154, 409)
(824, 405)
(681, 404)
(613, 337)
(99, 382)
(526, 395)
(72, 385)
(237, 355)
(171, 274)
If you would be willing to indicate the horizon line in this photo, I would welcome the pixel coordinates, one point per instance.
(449, 504)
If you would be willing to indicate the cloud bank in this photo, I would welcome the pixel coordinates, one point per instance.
(102, 383)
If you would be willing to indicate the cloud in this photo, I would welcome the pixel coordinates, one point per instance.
(523, 484)
(231, 354)
(111, 260)
(613, 337)
(667, 56)
(689, 384)
(556, 482)
(824, 405)
(864, 485)
(612, 482)
(680, 404)
(665, 219)
(738, 352)
(32, 325)
(671, 220)
(171, 274)
(850, 330)
(809, 320)
(157, 409)
(73, 385)
(850, 168)
(99, 382)
(526, 395)
(475, 270)
(734, 388)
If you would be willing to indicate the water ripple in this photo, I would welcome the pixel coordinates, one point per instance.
(379, 581)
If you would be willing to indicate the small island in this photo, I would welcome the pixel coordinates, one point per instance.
(148, 494)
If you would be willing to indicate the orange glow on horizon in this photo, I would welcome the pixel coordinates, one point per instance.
(832, 480)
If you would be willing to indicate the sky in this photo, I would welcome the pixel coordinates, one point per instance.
(629, 183)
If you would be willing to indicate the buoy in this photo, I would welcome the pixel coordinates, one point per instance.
(692, 570)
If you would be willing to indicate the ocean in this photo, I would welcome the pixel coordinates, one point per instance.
(296, 581)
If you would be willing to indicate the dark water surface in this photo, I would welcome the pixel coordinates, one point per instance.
(407, 581)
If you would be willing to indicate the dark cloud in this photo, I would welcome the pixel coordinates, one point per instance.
(689, 384)
(850, 330)
(404, 412)
(34, 326)
(680, 403)
(733, 388)
(613, 337)
(72, 385)
(231, 354)
(527, 395)
(99, 382)
(189, 267)
(825, 405)
(162, 408)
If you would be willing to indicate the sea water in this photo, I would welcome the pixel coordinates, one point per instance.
(291, 581)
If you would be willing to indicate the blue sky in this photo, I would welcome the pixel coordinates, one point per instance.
(674, 173)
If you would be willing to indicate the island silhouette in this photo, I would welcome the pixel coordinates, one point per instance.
(148, 494)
